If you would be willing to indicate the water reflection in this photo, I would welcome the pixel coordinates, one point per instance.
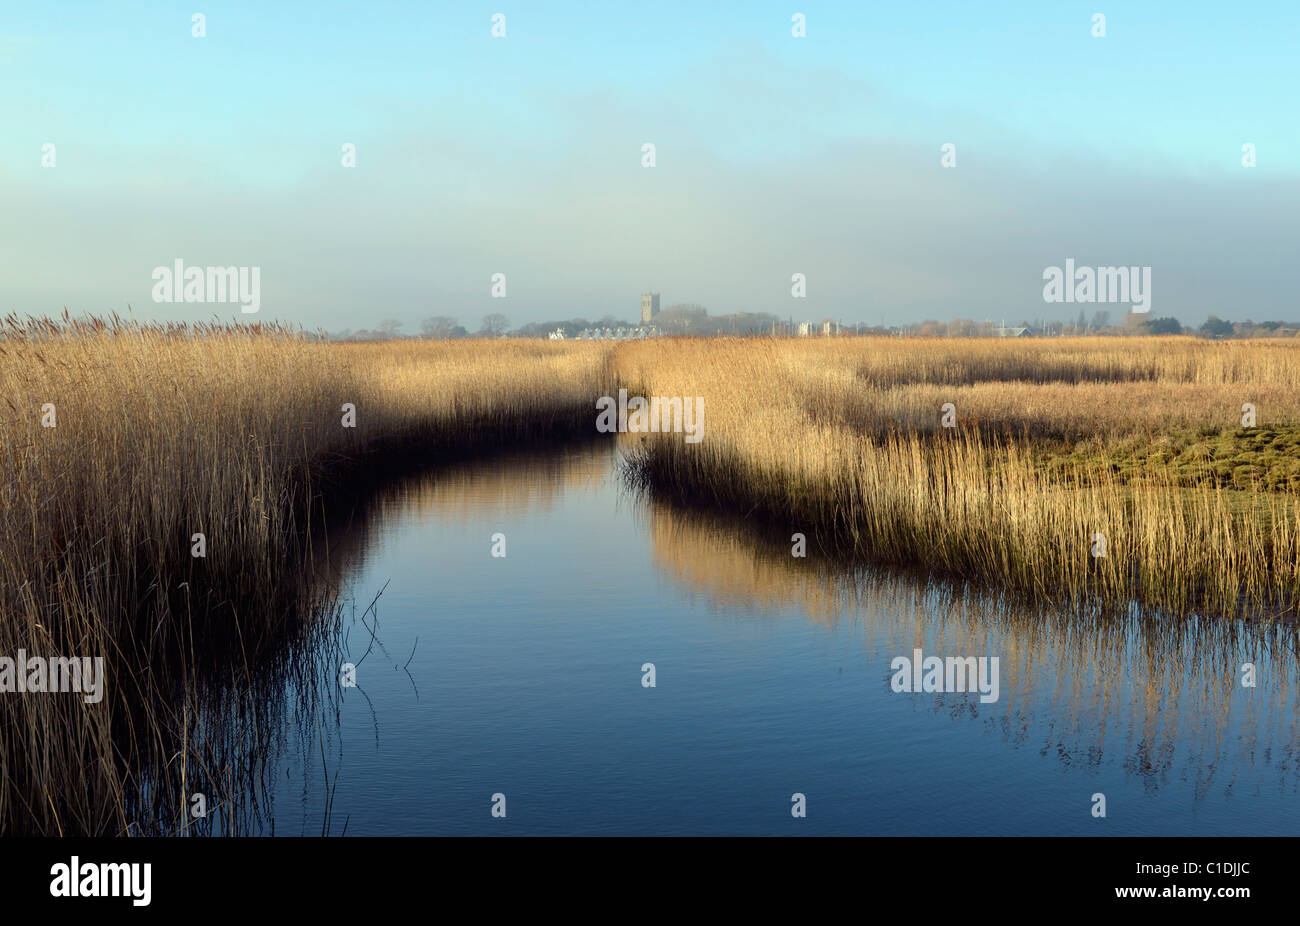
(1159, 700)
(1085, 689)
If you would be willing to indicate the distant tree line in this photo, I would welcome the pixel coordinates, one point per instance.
(1216, 327)
(695, 320)
(436, 327)
(678, 319)
(1132, 324)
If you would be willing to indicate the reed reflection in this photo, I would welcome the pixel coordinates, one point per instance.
(1163, 697)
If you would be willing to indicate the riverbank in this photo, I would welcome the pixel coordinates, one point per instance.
(999, 462)
(167, 483)
(158, 513)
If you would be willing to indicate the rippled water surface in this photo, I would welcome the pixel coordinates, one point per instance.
(522, 676)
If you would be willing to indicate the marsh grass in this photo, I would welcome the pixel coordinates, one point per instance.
(167, 431)
(841, 439)
(1260, 459)
(235, 432)
(1164, 693)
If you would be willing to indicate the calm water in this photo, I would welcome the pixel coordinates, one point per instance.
(522, 675)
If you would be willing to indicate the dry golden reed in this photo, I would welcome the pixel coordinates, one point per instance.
(842, 439)
(164, 432)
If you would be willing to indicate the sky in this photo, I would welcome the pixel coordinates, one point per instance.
(522, 155)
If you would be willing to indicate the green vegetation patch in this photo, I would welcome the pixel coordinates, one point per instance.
(1254, 459)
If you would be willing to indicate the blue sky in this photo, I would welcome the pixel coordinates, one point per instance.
(521, 155)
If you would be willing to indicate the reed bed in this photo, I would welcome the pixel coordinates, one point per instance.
(164, 432)
(843, 440)
(1157, 689)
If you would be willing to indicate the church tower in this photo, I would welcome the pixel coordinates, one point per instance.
(649, 307)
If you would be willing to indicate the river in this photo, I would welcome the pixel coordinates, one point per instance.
(522, 675)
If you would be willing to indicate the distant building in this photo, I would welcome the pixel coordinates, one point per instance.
(649, 307)
(611, 334)
(557, 334)
(1005, 332)
(824, 328)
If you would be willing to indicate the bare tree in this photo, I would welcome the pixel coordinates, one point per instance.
(494, 325)
(389, 327)
(439, 326)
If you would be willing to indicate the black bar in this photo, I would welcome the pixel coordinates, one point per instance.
(660, 877)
